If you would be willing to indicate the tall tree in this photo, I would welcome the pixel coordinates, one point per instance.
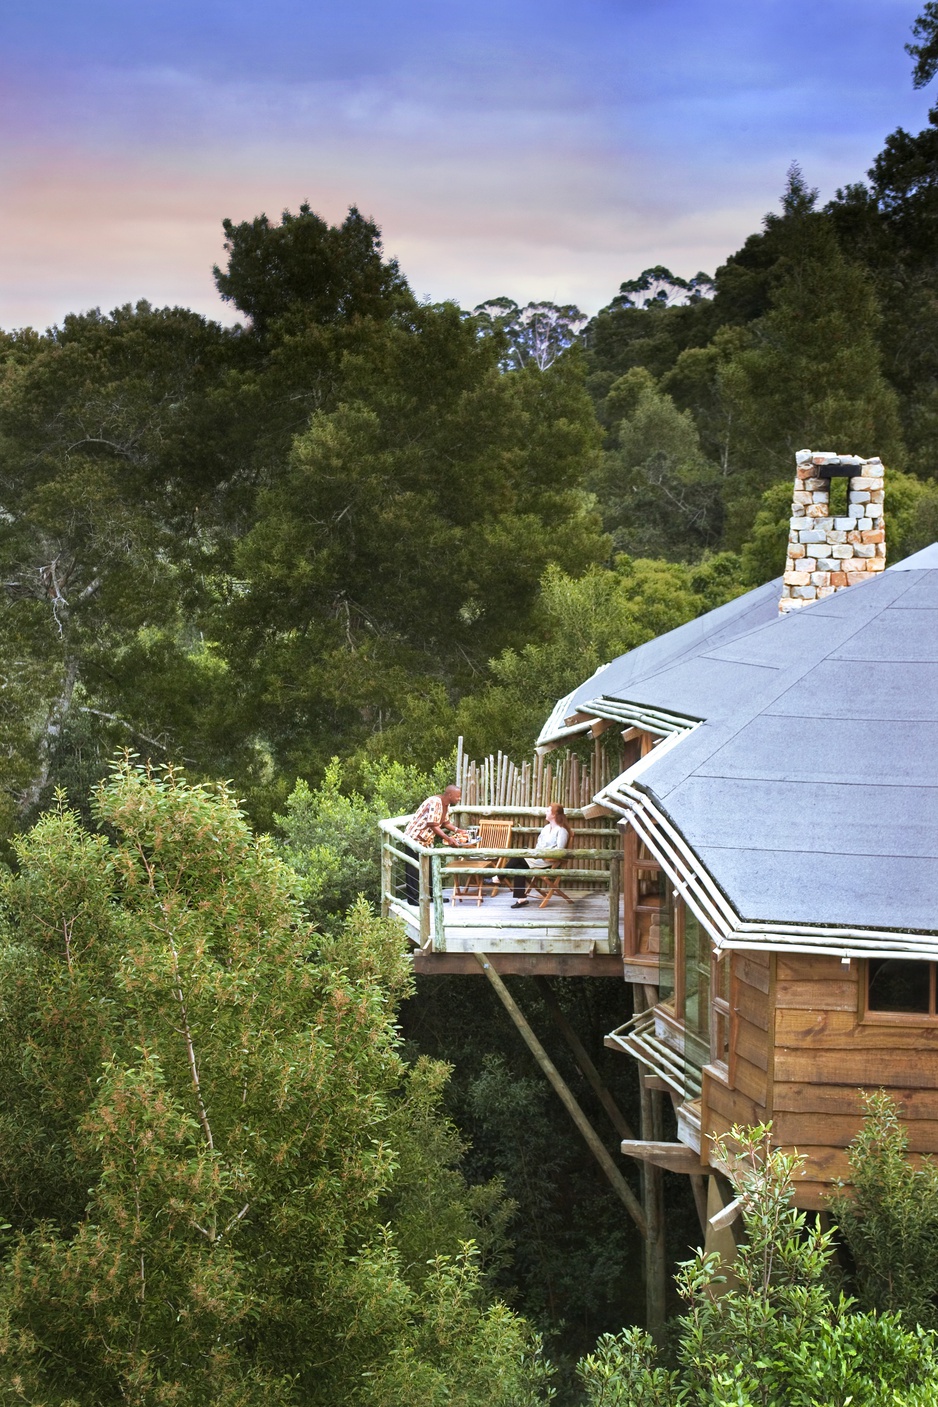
(329, 273)
(810, 372)
(113, 451)
(209, 1136)
(660, 496)
(406, 538)
(535, 335)
(925, 52)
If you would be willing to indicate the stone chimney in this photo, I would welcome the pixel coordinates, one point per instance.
(825, 553)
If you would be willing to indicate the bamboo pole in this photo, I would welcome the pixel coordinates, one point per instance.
(597, 1148)
(615, 887)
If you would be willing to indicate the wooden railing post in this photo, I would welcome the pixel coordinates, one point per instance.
(439, 927)
(386, 875)
(615, 892)
(423, 901)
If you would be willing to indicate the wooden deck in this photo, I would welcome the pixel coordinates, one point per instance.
(580, 927)
(571, 937)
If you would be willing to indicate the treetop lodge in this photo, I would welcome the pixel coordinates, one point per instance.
(754, 850)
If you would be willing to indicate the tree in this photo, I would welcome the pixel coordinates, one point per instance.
(659, 495)
(582, 624)
(925, 52)
(659, 286)
(330, 833)
(535, 335)
(326, 273)
(207, 1128)
(781, 1334)
(810, 373)
(889, 1219)
(405, 540)
(113, 450)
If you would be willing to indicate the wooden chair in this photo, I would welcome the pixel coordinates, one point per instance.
(493, 835)
(548, 885)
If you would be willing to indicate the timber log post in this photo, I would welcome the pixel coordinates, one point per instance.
(656, 1261)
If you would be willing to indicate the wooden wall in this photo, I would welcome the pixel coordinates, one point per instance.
(825, 1056)
(743, 1094)
(803, 1057)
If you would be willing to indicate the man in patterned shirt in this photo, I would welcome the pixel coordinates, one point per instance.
(427, 825)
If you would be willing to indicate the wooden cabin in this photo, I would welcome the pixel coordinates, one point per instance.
(780, 885)
(766, 875)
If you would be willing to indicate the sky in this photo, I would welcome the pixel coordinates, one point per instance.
(538, 149)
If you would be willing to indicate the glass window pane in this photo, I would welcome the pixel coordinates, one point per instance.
(696, 975)
(896, 984)
(666, 941)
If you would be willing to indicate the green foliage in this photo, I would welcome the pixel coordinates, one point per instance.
(454, 1353)
(208, 1133)
(111, 453)
(331, 832)
(890, 1218)
(535, 335)
(328, 273)
(659, 495)
(408, 533)
(810, 374)
(925, 52)
(585, 623)
(911, 523)
(778, 1335)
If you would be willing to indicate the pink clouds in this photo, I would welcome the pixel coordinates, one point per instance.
(510, 151)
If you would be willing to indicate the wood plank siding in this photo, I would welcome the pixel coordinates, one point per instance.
(825, 1054)
(741, 1093)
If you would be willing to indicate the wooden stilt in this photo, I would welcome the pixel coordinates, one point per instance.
(656, 1261)
(595, 1144)
(699, 1188)
(619, 1122)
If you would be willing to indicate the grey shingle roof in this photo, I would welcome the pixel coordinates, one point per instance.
(680, 665)
(810, 791)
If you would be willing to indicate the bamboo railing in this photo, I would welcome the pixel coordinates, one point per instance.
(497, 781)
(595, 868)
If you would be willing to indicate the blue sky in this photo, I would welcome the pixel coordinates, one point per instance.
(538, 150)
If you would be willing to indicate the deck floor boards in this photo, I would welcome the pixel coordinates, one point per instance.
(495, 926)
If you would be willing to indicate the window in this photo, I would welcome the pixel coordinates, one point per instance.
(665, 937)
(644, 903)
(720, 1004)
(900, 986)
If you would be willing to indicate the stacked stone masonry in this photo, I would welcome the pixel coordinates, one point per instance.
(827, 553)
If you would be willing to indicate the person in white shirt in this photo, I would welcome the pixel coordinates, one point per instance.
(555, 836)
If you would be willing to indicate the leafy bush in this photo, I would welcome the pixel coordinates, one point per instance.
(890, 1222)
(782, 1336)
(208, 1139)
(331, 836)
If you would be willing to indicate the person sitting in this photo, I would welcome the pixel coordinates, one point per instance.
(554, 837)
(427, 825)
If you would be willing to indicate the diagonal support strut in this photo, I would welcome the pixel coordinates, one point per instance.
(595, 1144)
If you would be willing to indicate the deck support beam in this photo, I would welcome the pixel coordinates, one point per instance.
(656, 1258)
(562, 1089)
(588, 1069)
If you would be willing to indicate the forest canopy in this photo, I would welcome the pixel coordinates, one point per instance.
(304, 553)
(359, 524)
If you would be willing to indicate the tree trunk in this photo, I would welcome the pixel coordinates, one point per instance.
(55, 720)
